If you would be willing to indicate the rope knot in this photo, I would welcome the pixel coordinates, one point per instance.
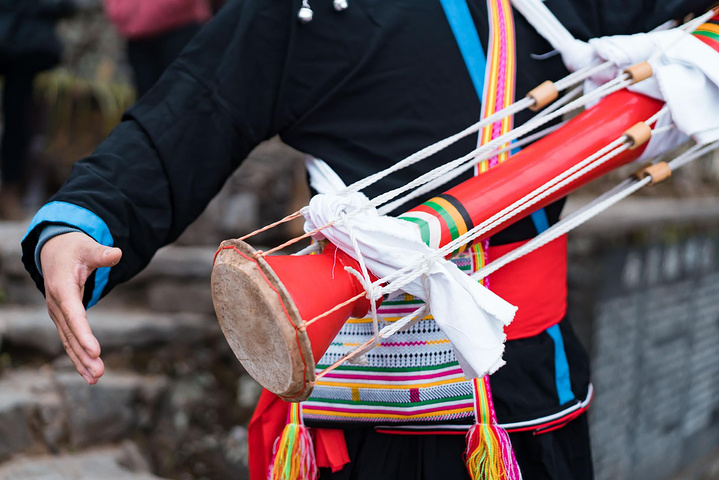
(374, 292)
(426, 265)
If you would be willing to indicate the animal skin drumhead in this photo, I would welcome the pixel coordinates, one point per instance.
(258, 319)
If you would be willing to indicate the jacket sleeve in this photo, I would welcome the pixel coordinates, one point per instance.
(175, 148)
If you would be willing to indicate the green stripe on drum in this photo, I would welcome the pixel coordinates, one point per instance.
(424, 229)
(446, 216)
(708, 34)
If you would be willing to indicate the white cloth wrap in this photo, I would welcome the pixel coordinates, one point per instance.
(472, 317)
(686, 72)
(686, 78)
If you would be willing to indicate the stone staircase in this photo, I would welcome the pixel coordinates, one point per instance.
(173, 402)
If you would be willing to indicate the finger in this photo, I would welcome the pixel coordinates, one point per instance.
(94, 367)
(81, 369)
(68, 298)
(100, 256)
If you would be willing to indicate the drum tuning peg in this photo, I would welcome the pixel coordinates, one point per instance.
(340, 5)
(305, 14)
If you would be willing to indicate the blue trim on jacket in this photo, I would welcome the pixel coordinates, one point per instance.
(63, 213)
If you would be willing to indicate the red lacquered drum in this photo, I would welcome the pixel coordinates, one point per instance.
(263, 303)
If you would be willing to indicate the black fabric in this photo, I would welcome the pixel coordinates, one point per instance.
(526, 386)
(562, 454)
(150, 57)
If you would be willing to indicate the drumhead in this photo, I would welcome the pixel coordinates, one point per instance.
(258, 319)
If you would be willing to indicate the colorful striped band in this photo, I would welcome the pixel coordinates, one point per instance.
(441, 220)
(708, 33)
(499, 85)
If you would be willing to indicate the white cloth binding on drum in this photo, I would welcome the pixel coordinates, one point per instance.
(686, 71)
(472, 317)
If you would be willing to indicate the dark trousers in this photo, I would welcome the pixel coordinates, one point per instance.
(562, 454)
(150, 57)
(16, 105)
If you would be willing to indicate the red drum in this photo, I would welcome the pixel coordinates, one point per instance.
(263, 303)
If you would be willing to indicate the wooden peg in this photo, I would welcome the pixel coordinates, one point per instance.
(543, 94)
(638, 135)
(638, 72)
(659, 172)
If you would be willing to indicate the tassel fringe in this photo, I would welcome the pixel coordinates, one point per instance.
(489, 454)
(293, 455)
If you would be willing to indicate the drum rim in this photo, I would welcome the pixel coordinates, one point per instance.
(303, 379)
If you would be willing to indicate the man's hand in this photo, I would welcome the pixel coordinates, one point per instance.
(67, 260)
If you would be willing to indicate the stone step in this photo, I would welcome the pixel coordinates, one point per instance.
(184, 421)
(49, 410)
(110, 463)
(176, 280)
(31, 328)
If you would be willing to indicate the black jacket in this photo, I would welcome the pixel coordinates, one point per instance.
(360, 89)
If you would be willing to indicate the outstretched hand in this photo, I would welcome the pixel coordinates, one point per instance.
(67, 260)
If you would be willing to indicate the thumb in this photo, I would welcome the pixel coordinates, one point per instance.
(101, 256)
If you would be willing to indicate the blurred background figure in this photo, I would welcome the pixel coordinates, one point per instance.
(156, 32)
(28, 45)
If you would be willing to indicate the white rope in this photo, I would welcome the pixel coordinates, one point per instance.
(400, 278)
(608, 88)
(692, 25)
(573, 94)
(688, 157)
(435, 184)
(405, 322)
(374, 293)
(569, 81)
(440, 145)
(560, 34)
(578, 170)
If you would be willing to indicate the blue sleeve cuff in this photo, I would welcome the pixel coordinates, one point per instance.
(48, 232)
(70, 215)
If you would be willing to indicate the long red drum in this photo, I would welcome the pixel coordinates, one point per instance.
(444, 218)
(263, 303)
